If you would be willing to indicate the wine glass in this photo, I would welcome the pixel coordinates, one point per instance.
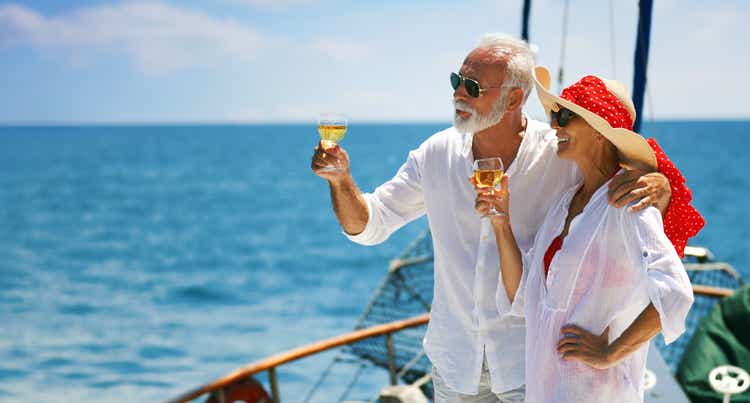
(487, 175)
(332, 129)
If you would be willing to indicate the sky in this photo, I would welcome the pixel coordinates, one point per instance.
(255, 61)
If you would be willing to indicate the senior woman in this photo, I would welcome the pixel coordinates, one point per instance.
(599, 281)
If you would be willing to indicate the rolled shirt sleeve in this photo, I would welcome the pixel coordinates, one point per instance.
(668, 285)
(394, 203)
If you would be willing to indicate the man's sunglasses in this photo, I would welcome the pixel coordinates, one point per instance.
(562, 116)
(471, 85)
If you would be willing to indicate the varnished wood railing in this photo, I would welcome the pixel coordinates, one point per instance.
(709, 291)
(270, 363)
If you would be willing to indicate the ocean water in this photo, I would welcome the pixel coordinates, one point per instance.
(139, 262)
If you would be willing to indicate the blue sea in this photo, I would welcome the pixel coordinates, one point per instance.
(139, 262)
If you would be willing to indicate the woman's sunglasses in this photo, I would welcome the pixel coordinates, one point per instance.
(471, 85)
(562, 116)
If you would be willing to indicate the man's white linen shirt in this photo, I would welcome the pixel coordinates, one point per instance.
(469, 297)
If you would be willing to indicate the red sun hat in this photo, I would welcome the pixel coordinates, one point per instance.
(591, 93)
(606, 106)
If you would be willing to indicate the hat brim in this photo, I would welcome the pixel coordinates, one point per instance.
(635, 150)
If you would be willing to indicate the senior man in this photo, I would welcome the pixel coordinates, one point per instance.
(476, 355)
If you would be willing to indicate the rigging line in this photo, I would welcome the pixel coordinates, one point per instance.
(352, 383)
(409, 365)
(322, 378)
(381, 289)
(613, 37)
(414, 294)
(649, 99)
(566, 11)
(650, 104)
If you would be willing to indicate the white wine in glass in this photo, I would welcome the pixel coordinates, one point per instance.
(332, 129)
(487, 175)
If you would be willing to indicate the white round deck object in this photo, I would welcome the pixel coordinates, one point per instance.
(729, 380)
(649, 380)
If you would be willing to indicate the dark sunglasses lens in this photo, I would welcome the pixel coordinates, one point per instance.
(565, 116)
(562, 116)
(472, 87)
(455, 81)
(562, 120)
(553, 117)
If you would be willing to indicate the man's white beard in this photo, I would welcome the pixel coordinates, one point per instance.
(476, 123)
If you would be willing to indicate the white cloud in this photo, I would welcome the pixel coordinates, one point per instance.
(158, 38)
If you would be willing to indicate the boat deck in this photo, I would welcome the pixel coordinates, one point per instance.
(666, 390)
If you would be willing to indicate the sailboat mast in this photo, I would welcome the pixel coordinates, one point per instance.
(525, 20)
(643, 40)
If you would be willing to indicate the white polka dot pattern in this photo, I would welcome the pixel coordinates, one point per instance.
(591, 93)
(682, 220)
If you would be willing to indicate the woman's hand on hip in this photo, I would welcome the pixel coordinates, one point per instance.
(592, 350)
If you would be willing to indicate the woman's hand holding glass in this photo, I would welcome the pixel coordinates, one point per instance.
(493, 203)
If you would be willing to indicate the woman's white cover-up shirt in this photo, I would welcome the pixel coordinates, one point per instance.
(612, 264)
(465, 319)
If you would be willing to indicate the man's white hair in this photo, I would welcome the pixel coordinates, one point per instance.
(519, 59)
